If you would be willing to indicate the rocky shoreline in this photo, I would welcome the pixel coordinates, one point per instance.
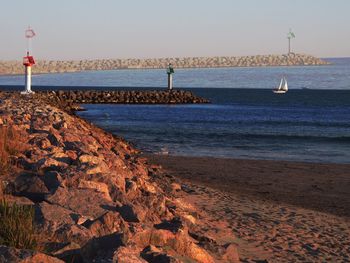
(49, 66)
(95, 199)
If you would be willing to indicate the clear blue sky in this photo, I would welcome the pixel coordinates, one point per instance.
(87, 29)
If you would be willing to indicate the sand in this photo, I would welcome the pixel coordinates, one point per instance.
(277, 211)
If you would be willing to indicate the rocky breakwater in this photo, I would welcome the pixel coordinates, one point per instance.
(123, 97)
(47, 66)
(95, 200)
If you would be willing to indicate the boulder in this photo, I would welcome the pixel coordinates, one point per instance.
(73, 233)
(99, 168)
(106, 224)
(54, 137)
(72, 155)
(68, 252)
(97, 186)
(31, 186)
(102, 248)
(154, 255)
(128, 213)
(128, 255)
(90, 159)
(85, 202)
(50, 164)
(175, 187)
(52, 217)
(231, 254)
(9, 254)
(172, 234)
(131, 189)
(52, 180)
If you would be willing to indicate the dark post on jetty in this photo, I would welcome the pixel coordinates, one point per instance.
(170, 72)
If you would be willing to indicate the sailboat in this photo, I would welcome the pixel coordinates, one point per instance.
(282, 88)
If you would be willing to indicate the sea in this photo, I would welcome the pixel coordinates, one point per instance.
(245, 119)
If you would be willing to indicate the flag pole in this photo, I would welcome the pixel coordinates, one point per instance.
(290, 35)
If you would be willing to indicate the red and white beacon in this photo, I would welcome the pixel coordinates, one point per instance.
(28, 62)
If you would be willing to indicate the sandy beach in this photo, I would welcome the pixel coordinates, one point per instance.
(278, 211)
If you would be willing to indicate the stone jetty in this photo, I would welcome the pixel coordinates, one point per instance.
(95, 199)
(123, 97)
(50, 66)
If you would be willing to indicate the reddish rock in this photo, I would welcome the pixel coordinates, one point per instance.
(102, 248)
(73, 233)
(54, 137)
(175, 187)
(131, 189)
(41, 141)
(52, 217)
(30, 186)
(171, 234)
(85, 202)
(106, 224)
(72, 155)
(90, 159)
(8, 254)
(129, 214)
(231, 254)
(70, 137)
(154, 255)
(128, 255)
(49, 164)
(68, 252)
(97, 186)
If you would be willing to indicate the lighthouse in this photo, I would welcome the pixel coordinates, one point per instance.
(170, 72)
(28, 62)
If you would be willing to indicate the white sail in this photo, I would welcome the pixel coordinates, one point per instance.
(280, 86)
(285, 86)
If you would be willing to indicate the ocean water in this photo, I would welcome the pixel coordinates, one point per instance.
(245, 119)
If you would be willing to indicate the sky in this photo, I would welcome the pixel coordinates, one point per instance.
(92, 29)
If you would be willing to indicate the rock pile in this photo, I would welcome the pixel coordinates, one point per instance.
(95, 200)
(46, 66)
(123, 97)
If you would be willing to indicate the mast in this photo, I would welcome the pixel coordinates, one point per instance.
(28, 62)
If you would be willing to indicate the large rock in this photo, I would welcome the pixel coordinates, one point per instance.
(85, 202)
(106, 224)
(97, 186)
(172, 234)
(128, 255)
(102, 248)
(154, 255)
(73, 233)
(49, 164)
(9, 254)
(52, 216)
(29, 185)
(131, 213)
(52, 180)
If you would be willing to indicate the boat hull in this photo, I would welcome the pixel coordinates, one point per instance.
(279, 91)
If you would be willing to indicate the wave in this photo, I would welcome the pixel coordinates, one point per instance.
(206, 136)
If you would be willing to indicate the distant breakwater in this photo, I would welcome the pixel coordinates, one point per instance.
(69, 99)
(50, 66)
